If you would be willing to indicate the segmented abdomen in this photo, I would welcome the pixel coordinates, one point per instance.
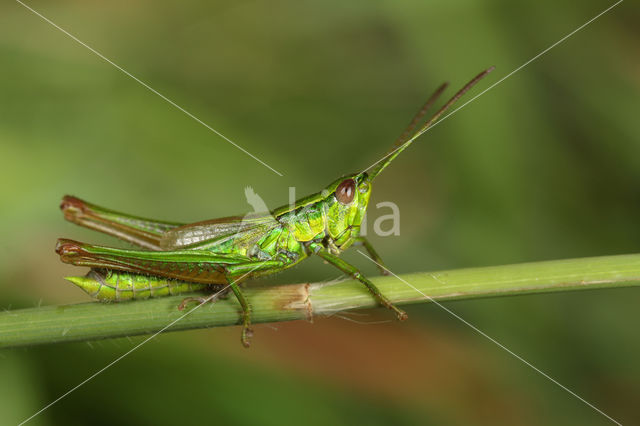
(109, 285)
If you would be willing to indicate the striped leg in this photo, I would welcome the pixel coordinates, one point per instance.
(187, 265)
(145, 233)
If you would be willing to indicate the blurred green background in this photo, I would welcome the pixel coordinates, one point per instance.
(544, 166)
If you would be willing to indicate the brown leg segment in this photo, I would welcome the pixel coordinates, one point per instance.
(145, 233)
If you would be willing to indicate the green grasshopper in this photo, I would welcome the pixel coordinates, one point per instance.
(223, 252)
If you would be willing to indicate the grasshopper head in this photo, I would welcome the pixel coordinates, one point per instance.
(347, 199)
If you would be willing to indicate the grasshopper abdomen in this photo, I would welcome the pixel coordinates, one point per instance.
(114, 286)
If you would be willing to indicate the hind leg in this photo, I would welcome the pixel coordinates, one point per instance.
(145, 233)
(187, 265)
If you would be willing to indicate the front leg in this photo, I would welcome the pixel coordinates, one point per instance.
(374, 254)
(347, 268)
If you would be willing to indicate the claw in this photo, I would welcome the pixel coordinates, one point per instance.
(402, 315)
(246, 335)
(183, 304)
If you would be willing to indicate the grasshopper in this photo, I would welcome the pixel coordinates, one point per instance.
(221, 253)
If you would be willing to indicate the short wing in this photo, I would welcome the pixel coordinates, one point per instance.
(160, 235)
(203, 235)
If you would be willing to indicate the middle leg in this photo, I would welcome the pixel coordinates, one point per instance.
(235, 274)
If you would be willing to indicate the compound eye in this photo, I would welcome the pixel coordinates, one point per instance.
(346, 191)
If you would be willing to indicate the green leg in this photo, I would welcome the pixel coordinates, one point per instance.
(244, 304)
(235, 274)
(186, 265)
(374, 254)
(355, 273)
(247, 332)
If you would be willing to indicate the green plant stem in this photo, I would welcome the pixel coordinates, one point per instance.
(95, 320)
